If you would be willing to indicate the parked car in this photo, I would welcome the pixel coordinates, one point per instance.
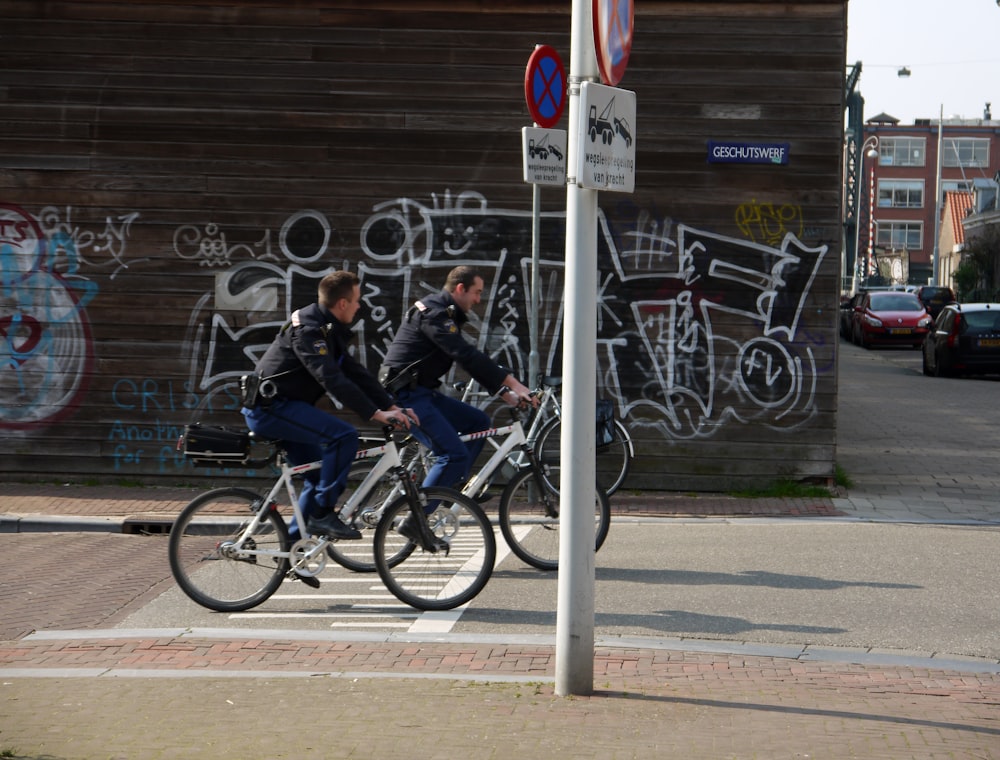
(847, 308)
(935, 297)
(965, 341)
(890, 318)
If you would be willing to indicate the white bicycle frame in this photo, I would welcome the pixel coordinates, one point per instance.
(389, 458)
(514, 438)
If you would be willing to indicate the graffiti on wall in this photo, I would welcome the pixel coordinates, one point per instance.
(696, 330)
(47, 347)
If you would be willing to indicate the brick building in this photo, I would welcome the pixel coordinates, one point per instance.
(899, 193)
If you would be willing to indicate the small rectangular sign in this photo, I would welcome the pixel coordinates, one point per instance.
(543, 154)
(606, 138)
(747, 153)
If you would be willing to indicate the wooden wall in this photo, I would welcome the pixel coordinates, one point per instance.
(176, 176)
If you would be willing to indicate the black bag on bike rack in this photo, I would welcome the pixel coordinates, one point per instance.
(605, 422)
(213, 446)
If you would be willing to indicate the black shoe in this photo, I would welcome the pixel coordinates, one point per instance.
(310, 580)
(408, 528)
(332, 526)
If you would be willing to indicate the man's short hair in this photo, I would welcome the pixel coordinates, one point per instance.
(335, 286)
(462, 275)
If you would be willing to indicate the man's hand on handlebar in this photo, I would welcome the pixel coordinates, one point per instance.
(396, 416)
(517, 395)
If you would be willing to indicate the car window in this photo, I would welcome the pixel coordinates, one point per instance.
(982, 321)
(895, 302)
(939, 295)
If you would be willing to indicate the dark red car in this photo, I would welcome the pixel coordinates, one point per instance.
(890, 318)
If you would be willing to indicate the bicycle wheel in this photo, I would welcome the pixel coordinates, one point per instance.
(529, 520)
(613, 459)
(359, 556)
(218, 566)
(439, 580)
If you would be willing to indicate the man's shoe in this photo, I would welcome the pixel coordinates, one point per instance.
(408, 528)
(331, 525)
(310, 580)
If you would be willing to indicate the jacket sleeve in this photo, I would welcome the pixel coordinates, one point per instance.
(444, 332)
(310, 344)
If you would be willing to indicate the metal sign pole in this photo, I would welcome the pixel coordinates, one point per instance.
(536, 224)
(575, 606)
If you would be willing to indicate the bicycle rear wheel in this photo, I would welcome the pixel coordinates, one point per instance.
(613, 459)
(212, 560)
(529, 520)
(447, 578)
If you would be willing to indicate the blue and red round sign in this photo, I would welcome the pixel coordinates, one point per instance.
(545, 86)
(613, 21)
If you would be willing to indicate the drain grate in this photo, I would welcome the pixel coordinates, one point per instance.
(147, 526)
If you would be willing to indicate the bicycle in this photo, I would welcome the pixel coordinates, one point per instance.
(614, 447)
(230, 550)
(529, 508)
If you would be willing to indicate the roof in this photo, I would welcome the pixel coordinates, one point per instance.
(882, 118)
(958, 204)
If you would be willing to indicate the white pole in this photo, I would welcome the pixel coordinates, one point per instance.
(937, 202)
(575, 608)
(533, 359)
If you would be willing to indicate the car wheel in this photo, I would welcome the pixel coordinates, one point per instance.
(926, 366)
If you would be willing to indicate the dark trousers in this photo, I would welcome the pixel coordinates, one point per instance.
(442, 421)
(309, 435)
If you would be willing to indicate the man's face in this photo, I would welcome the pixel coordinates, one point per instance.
(466, 298)
(345, 309)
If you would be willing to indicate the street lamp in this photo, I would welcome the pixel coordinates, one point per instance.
(872, 146)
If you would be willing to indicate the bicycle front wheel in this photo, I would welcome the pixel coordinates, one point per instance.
(449, 577)
(529, 519)
(613, 459)
(218, 561)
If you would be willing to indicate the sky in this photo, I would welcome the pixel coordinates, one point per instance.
(952, 48)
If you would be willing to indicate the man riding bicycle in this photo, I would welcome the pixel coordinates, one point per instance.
(425, 346)
(307, 359)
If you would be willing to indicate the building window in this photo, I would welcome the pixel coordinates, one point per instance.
(900, 193)
(956, 186)
(895, 236)
(965, 151)
(902, 151)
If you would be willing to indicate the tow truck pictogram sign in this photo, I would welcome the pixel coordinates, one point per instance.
(607, 138)
(544, 155)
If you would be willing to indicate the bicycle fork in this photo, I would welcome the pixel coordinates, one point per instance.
(417, 500)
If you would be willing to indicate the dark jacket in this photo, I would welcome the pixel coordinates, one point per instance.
(431, 336)
(309, 358)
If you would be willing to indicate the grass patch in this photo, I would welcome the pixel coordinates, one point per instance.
(784, 489)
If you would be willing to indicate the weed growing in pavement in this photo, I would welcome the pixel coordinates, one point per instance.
(841, 478)
(784, 489)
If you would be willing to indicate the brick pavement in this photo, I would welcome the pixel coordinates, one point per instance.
(301, 698)
(98, 692)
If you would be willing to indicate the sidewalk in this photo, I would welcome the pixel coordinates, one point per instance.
(94, 692)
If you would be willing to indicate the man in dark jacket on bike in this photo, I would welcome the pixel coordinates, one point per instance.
(309, 358)
(428, 342)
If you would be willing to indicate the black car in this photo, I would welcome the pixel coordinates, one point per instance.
(965, 340)
(935, 297)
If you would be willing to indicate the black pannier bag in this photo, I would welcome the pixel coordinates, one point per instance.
(605, 423)
(213, 446)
